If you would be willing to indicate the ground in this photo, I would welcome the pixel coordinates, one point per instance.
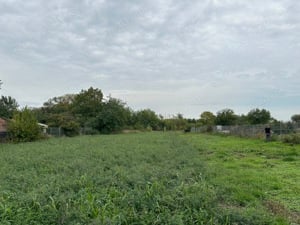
(149, 178)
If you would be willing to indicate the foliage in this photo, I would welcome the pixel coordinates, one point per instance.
(145, 119)
(8, 106)
(178, 122)
(259, 116)
(24, 127)
(226, 117)
(55, 110)
(296, 118)
(207, 118)
(70, 127)
(242, 120)
(113, 117)
(291, 138)
(87, 104)
(124, 179)
(60, 104)
(71, 111)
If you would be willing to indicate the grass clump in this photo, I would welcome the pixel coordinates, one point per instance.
(291, 138)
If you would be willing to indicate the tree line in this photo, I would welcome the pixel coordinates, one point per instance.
(90, 109)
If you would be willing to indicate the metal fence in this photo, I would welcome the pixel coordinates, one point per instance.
(60, 132)
(250, 130)
(55, 131)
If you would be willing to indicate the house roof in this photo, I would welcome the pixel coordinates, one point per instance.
(43, 125)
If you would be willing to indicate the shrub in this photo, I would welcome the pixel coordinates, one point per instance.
(24, 127)
(291, 138)
(71, 128)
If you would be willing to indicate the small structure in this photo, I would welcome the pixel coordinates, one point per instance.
(43, 127)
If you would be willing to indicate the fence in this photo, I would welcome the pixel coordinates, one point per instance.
(59, 132)
(55, 131)
(250, 130)
(3, 136)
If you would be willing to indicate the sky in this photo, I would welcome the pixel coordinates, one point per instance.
(172, 56)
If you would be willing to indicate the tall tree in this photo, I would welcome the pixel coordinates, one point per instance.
(8, 106)
(113, 117)
(259, 116)
(55, 111)
(146, 118)
(207, 118)
(226, 117)
(296, 118)
(87, 104)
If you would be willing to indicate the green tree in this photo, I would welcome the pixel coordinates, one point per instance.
(87, 104)
(259, 116)
(146, 119)
(56, 110)
(113, 117)
(296, 118)
(60, 104)
(24, 127)
(8, 106)
(207, 118)
(178, 122)
(242, 120)
(226, 117)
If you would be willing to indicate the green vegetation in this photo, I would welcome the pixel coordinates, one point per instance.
(24, 127)
(295, 118)
(8, 106)
(291, 138)
(226, 117)
(249, 174)
(257, 116)
(149, 178)
(89, 111)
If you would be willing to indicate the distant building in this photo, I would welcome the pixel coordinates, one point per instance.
(43, 127)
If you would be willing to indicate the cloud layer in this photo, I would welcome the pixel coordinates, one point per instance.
(172, 56)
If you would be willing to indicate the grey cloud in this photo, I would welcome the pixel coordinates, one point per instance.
(196, 52)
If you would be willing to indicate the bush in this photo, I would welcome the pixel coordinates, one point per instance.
(71, 128)
(24, 127)
(113, 117)
(291, 138)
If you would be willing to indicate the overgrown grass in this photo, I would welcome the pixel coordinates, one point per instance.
(291, 139)
(148, 178)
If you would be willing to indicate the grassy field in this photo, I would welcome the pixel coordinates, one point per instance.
(149, 178)
(252, 174)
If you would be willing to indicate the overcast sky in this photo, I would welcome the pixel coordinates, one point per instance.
(172, 56)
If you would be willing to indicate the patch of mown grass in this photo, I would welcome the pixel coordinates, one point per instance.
(249, 174)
